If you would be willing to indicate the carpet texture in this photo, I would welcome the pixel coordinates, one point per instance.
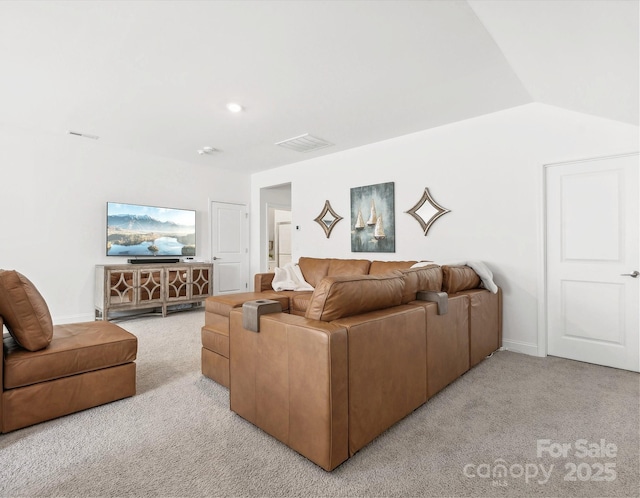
(478, 437)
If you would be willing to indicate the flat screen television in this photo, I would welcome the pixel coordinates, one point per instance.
(147, 231)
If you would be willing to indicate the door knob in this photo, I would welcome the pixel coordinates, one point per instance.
(215, 257)
(632, 275)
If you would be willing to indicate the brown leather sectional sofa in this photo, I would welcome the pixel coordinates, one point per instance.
(340, 365)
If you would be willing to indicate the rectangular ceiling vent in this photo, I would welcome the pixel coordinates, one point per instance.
(304, 143)
(85, 135)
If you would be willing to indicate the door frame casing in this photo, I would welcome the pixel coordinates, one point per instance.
(542, 225)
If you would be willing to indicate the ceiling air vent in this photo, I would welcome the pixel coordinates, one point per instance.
(304, 143)
(85, 135)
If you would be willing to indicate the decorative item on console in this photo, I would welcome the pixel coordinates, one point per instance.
(374, 234)
(434, 213)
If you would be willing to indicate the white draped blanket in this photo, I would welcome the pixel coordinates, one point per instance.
(289, 277)
(484, 273)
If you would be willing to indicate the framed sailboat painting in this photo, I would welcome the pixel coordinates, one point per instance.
(373, 224)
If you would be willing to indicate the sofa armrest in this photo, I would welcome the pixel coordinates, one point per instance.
(262, 282)
(291, 380)
(440, 298)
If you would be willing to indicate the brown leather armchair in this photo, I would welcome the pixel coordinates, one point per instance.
(49, 371)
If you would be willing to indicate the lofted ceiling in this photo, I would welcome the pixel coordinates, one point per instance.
(155, 76)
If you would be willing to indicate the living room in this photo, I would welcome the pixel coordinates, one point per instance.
(481, 148)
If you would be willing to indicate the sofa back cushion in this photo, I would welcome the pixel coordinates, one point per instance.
(299, 303)
(348, 267)
(425, 278)
(315, 269)
(458, 279)
(348, 295)
(382, 267)
(25, 312)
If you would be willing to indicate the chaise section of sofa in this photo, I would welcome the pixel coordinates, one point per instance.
(215, 332)
(291, 380)
(329, 383)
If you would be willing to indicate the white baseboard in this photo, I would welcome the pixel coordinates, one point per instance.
(521, 347)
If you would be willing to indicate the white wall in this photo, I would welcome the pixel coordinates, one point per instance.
(53, 208)
(487, 170)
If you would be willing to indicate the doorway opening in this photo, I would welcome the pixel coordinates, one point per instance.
(279, 237)
(275, 230)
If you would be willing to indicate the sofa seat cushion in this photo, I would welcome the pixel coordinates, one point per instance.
(24, 310)
(223, 304)
(343, 296)
(75, 348)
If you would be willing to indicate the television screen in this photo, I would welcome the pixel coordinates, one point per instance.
(134, 230)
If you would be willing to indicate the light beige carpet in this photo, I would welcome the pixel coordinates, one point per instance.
(479, 437)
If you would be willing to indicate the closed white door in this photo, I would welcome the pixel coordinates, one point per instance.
(229, 248)
(592, 254)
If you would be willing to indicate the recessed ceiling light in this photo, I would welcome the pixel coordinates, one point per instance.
(208, 150)
(233, 107)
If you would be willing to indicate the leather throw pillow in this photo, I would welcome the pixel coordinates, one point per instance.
(24, 311)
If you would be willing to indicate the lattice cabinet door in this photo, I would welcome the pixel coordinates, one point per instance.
(121, 287)
(201, 282)
(178, 283)
(149, 286)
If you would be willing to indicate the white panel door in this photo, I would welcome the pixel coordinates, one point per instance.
(229, 248)
(592, 254)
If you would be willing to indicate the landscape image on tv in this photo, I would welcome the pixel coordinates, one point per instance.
(135, 230)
